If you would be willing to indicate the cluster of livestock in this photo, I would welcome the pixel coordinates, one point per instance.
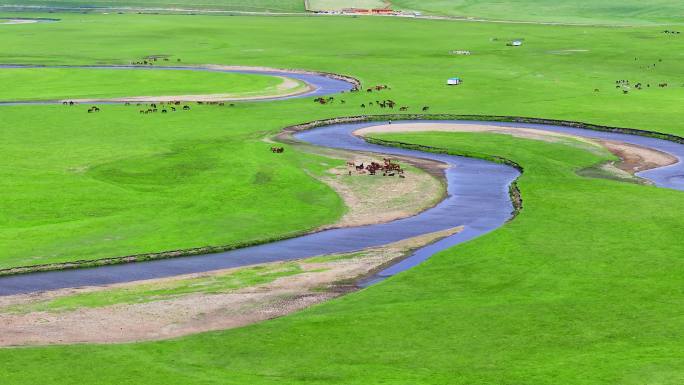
(151, 60)
(387, 103)
(72, 103)
(387, 168)
(163, 107)
(379, 87)
(379, 103)
(390, 104)
(277, 150)
(667, 31)
(328, 100)
(151, 108)
(626, 85)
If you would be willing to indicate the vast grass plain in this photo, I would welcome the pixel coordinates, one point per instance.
(625, 12)
(275, 6)
(602, 12)
(581, 288)
(74, 83)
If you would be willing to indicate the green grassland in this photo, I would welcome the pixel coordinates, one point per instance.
(277, 6)
(586, 277)
(122, 183)
(118, 183)
(58, 83)
(583, 287)
(611, 12)
(325, 5)
(627, 12)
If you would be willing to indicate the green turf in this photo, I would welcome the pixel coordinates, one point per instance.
(277, 6)
(582, 288)
(122, 183)
(45, 83)
(609, 12)
(560, 11)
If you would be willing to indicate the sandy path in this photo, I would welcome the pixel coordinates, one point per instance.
(633, 158)
(199, 312)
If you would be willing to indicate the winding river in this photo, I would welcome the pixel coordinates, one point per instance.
(478, 199)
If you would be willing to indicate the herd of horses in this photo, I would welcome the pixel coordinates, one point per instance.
(388, 103)
(150, 61)
(625, 85)
(387, 168)
(162, 107)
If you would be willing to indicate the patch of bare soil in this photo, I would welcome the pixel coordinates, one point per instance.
(519, 132)
(320, 281)
(374, 199)
(635, 158)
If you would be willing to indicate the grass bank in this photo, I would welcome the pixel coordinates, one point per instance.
(586, 276)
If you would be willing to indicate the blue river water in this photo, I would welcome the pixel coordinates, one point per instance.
(478, 199)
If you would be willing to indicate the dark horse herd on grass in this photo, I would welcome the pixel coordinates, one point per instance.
(388, 168)
(387, 103)
(162, 107)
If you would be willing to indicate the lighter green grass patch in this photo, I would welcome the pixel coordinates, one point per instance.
(76, 83)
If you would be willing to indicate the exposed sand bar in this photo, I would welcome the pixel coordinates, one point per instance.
(153, 318)
(634, 158)
(18, 21)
